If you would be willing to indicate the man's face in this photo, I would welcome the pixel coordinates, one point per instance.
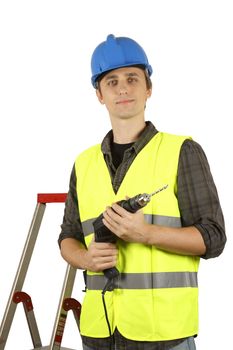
(124, 92)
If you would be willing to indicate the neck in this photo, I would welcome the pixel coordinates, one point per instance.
(126, 131)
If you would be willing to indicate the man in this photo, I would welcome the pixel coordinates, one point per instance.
(152, 303)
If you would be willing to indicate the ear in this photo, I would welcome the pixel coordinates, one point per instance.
(149, 93)
(99, 96)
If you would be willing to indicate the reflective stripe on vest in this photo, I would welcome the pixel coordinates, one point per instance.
(162, 220)
(146, 280)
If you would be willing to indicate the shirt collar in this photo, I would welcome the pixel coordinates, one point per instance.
(145, 136)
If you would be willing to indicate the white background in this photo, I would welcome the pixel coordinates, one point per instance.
(49, 113)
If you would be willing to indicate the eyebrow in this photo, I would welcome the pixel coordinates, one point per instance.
(114, 76)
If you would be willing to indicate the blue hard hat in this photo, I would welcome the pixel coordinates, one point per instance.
(115, 53)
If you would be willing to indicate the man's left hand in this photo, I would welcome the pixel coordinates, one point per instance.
(128, 226)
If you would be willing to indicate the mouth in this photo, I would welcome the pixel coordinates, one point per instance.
(125, 101)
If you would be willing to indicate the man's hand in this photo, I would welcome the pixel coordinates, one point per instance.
(128, 226)
(101, 256)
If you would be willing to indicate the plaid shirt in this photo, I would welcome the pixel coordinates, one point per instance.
(196, 194)
(118, 342)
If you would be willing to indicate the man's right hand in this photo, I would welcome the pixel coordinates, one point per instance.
(101, 256)
(98, 256)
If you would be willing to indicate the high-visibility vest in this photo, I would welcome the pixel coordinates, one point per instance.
(156, 295)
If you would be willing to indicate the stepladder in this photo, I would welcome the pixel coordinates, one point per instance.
(18, 296)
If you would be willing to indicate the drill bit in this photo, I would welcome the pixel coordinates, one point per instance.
(143, 199)
(158, 190)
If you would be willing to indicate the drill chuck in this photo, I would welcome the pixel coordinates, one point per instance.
(135, 203)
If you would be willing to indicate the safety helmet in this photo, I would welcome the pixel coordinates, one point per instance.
(115, 53)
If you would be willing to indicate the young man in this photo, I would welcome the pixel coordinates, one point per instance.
(152, 303)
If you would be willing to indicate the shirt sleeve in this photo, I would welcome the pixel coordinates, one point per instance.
(71, 226)
(198, 198)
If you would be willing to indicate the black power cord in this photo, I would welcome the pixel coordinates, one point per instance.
(109, 286)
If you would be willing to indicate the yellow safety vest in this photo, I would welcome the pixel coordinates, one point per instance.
(156, 296)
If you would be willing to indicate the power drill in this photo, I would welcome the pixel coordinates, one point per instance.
(103, 234)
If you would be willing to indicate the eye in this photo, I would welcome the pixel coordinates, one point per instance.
(132, 80)
(112, 82)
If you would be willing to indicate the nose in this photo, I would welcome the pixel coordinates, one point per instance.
(122, 88)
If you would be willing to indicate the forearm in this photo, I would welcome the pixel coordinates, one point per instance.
(131, 227)
(74, 253)
(184, 240)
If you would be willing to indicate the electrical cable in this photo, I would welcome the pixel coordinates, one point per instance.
(108, 287)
